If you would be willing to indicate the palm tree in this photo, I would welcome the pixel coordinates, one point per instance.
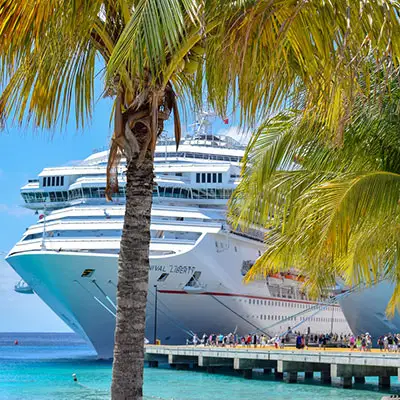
(330, 212)
(249, 53)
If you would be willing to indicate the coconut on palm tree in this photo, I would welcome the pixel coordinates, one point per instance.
(331, 212)
(248, 53)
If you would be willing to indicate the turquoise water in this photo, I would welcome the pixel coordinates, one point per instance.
(41, 367)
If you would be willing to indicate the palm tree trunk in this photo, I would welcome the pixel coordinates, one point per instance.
(133, 270)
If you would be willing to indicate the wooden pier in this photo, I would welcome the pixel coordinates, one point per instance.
(284, 364)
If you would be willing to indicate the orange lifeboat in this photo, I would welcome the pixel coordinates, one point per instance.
(290, 276)
(277, 276)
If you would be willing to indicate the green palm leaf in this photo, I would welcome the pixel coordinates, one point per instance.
(330, 211)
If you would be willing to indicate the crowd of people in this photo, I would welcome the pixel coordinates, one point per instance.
(262, 340)
(389, 342)
(360, 342)
(231, 339)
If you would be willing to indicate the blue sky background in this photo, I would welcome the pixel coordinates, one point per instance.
(24, 152)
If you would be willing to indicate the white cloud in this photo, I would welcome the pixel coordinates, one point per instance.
(236, 133)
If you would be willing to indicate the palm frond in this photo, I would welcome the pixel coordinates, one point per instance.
(155, 31)
(47, 61)
(329, 211)
(269, 55)
(47, 83)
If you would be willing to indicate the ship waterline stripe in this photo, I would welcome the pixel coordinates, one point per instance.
(247, 297)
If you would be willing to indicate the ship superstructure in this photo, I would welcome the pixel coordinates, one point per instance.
(197, 261)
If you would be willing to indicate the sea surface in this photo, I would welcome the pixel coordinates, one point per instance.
(40, 367)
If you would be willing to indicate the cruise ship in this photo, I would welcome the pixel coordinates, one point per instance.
(365, 310)
(197, 260)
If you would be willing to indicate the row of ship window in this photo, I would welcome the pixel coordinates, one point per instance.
(53, 181)
(292, 318)
(284, 304)
(182, 154)
(158, 191)
(209, 177)
(183, 193)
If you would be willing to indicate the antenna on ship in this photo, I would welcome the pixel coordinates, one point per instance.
(202, 127)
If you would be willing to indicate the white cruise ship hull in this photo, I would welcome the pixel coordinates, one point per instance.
(365, 310)
(221, 302)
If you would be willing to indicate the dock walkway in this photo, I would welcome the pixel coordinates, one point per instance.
(284, 363)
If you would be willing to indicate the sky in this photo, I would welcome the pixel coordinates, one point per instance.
(24, 152)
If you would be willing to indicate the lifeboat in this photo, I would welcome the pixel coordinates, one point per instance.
(23, 287)
(194, 289)
(276, 276)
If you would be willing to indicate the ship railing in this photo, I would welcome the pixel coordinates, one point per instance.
(154, 221)
(101, 239)
(258, 237)
(170, 226)
(163, 177)
(119, 218)
(173, 241)
(89, 244)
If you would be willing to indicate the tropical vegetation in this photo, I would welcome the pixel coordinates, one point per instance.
(249, 55)
(330, 212)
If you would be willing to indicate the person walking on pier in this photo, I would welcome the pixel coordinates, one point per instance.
(380, 343)
(195, 339)
(352, 342)
(248, 340)
(385, 343)
(358, 343)
(368, 339)
(398, 342)
(299, 342)
(363, 343)
(254, 340)
(220, 339)
(395, 342)
(390, 342)
(204, 339)
(324, 341)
